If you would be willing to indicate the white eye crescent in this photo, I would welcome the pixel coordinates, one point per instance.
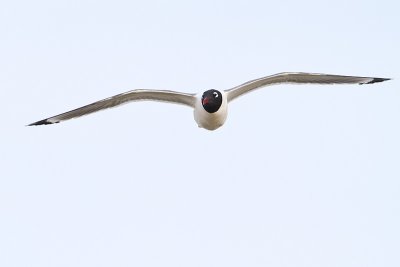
(215, 94)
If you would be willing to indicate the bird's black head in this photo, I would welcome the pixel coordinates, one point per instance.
(211, 100)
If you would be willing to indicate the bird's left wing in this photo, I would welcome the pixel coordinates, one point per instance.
(299, 77)
(134, 95)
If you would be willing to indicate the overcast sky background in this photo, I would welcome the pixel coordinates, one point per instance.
(300, 175)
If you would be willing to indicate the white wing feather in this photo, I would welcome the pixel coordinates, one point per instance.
(299, 78)
(134, 95)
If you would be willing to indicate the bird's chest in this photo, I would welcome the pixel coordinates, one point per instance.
(210, 121)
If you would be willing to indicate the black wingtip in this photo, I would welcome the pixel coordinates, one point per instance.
(377, 80)
(42, 122)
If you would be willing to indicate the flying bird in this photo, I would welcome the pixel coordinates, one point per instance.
(211, 106)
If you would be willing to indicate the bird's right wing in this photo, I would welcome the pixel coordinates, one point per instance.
(134, 95)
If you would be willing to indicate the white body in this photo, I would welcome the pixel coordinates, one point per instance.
(210, 121)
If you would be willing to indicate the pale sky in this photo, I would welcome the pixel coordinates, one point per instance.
(299, 175)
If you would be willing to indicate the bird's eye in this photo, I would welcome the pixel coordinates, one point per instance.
(215, 94)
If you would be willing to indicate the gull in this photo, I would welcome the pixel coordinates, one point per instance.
(211, 106)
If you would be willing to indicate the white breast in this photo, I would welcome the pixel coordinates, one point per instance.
(210, 121)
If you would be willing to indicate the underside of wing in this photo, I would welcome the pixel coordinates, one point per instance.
(134, 95)
(299, 78)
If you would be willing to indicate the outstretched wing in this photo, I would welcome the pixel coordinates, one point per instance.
(298, 77)
(134, 95)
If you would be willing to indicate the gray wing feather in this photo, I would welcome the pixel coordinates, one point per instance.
(299, 78)
(134, 95)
